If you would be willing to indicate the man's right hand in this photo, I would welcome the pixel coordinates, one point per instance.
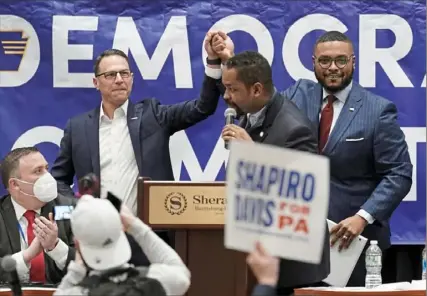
(223, 46)
(32, 251)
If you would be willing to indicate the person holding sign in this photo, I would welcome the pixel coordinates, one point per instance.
(271, 119)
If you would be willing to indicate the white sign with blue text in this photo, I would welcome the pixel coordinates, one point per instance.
(279, 197)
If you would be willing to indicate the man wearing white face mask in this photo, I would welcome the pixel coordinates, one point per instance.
(41, 246)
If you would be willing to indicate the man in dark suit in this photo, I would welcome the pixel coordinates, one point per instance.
(371, 171)
(41, 246)
(120, 141)
(267, 117)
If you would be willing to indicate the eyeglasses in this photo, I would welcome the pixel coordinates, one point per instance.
(112, 75)
(340, 61)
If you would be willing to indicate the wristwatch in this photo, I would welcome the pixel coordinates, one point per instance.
(213, 62)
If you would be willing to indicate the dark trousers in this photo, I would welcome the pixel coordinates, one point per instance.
(357, 278)
(138, 257)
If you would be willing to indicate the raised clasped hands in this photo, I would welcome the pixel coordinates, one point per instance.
(218, 45)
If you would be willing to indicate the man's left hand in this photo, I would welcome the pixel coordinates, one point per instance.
(46, 231)
(347, 230)
(235, 132)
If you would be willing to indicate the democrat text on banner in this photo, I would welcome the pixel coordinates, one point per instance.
(47, 51)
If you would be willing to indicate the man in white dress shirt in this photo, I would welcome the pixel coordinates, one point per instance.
(41, 246)
(121, 140)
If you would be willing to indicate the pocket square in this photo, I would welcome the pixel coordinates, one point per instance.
(354, 140)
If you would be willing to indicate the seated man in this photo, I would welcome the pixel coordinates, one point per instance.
(41, 246)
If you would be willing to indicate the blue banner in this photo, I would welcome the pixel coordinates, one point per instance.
(48, 49)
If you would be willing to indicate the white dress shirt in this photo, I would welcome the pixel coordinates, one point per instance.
(59, 254)
(118, 168)
(338, 105)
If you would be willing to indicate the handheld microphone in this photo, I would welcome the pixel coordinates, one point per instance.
(8, 264)
(229, 114)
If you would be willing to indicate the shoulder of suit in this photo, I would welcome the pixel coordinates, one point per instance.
(291, 111)
(82, 116)
(3, 198)
(373, 99)
(147, 102)
(307, 83)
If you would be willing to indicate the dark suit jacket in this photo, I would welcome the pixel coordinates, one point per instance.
(373, 172)
(285, 126)
(263, 290)
(10, 241)
(150, 126)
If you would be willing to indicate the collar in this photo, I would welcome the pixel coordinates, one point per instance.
(20, 210)
(254, 117)
(342, 95)
(122, 110)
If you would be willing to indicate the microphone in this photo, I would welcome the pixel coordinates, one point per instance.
(8, 264)
(229, 114)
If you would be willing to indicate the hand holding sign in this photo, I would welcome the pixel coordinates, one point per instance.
(264, 266)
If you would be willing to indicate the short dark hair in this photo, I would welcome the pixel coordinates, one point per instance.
(107, 53)
(252, 67)
(333, 36)
(10, 163)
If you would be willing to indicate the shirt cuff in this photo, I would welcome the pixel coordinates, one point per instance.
(365, 215)
(59, 254)
(214, 73)
(264, 290)
(22, 268)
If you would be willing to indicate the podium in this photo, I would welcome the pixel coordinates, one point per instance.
(195, 212)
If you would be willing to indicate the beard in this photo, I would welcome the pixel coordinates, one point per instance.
(239, 112)
(333, 89)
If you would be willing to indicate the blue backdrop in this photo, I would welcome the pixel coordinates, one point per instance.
(48, 49)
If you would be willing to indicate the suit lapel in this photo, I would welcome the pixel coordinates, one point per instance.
(348, 112)
(243, 121)
(313, 108)
(8, 212)
(272, 109)
(92, 134)
(134, 116)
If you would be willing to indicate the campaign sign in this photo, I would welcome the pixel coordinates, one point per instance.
(279, 197)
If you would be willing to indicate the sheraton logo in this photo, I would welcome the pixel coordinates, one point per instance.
(175, 203)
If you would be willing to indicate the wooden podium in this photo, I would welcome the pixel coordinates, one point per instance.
(195, 212)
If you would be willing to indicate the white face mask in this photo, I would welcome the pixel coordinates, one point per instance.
(45, 188)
